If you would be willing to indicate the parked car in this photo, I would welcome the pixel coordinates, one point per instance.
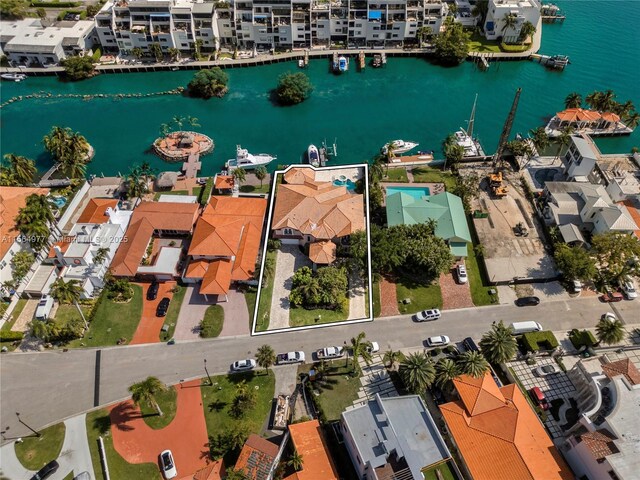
(470, 345)
(628, 288)
(44, 307)
(439, 341)
(527, 301)
(243, 365)
(46, 471)
(539, 398)
(374, 347)
(330, 352)
(152, 293)
(609, 316)
(168, 466)
(290, 357)
(163, 306)
(544, 370)
(610, 296)
(518, 328)
(427, 315)
(576, 286)
(461, 273)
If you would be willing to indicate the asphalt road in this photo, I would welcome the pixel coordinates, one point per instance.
(50, 386)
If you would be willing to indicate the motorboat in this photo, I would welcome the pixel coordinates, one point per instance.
(343, 64)
(301, 63)
(377, 60)
(13, 77)
(471, 146)
(248, 161)
(313, 156)
(398, 146)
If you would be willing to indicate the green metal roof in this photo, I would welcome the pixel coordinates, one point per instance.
(446, 209)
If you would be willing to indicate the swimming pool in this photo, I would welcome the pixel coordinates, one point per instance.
(345, 183)
(415, 192)
(59, 201)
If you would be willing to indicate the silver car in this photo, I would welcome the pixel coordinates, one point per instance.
(427, 315)
(439, 341)
(544, 370)
(243, 365)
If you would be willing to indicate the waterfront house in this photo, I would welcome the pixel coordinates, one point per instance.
(393, 437)
(257, 458)
(587, 121)
(12, 200)
(497, 10)
(498, 435)
(155, 236)
(36, 42)
(604, 441)
(226, 243)
(309, 441)
(312, 209)
(445, 208)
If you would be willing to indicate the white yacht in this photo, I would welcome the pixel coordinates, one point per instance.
(398, 146)
(248, 161)
(13, 77)
(313, 157)
(465, 139)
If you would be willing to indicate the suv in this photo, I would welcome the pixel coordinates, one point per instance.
(427, 315)
(461, 273)
(527, 301)
(152, 293)
(470, 345)
(163, 306)
(628, 289)
(539, 398)
(46, 471)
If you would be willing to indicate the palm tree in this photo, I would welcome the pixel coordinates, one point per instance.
(391, 358)
(136, 183)
(268, 271)
(7, 178)
(417, 372)
(147, 171)
(509, 21)
(265, 357)
(35, 220)
(377, 169)
(56, 142)
(594, 100)
(360, 348)
(473, 363)
(137, 52)
(146, 392)
(446, 371)
(563, 139)
(239, 175)
(632, 119)
(100, 256)
(527, 29)
(260, 172)
(624, 109)
(540, 138)
(22, 169)
(424, 33)
(498, 345)
(610, 331)
(295, 461)
(67, 293)
(607, 101)
(573, 100)
(233, 474)
(174, 53)
(69, 149)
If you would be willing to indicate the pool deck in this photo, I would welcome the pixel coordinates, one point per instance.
(434, 188)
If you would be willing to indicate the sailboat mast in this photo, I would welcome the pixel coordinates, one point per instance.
(472, 118)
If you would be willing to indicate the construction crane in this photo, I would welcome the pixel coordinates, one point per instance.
(506, 130)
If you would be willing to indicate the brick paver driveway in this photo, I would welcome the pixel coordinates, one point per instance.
(454, 295)
(148, 330)
(288, 259)
(388, 298)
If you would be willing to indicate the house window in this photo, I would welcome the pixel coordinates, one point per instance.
(288, 231)
(613, 475)
(3, 264)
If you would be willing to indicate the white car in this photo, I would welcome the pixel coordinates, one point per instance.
(427, 315)
(576, 286)
(439, 341)
(461, 272)
(243, 365)
(374, 347)
(628, 289)
(544, 370)
(609, 316)
(168, 466)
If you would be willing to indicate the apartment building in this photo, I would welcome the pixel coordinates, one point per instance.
(524, 11)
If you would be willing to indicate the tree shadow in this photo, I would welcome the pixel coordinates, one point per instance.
(217, 406)
(102, 424)
(122, 414)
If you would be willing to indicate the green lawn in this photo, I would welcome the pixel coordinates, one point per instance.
(422, 295)
(255, 188)
(376, 299)
(444, 469)
(396, 175)
(250, 295)
(264, 307)
(167, 402)
(99, 424)
(479, 43)
(113, 321)
(35, 452)
(299, 317)
(479, 292)
(433, 175)
(196, 191)
(156, 197)
(68, 313)
(6, 327)
(338, 389)
(212, 322)
(172, 314)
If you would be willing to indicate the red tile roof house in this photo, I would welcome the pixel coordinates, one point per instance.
(226, 244)
(155, 221)
(257, 458)
(310, 443)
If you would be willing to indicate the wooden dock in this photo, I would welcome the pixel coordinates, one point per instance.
(553, 18)
(362, 60)
(192, 166)
(411, 160)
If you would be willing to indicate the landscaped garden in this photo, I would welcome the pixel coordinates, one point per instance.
(167, 401)
(213, 321)
(444, 469)
(35, 452)
(11, 343)
(395, 175)
(432, 175)
(264, 306)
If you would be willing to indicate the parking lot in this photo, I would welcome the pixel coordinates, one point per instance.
(554, 386)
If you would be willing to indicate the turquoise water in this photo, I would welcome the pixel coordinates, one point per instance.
(415, 192)
(350, 184)
(409, 99)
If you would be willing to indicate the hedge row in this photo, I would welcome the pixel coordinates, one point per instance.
(56, 4)
(534, 341)
(206, 192)
(9, 336)
(582, 338)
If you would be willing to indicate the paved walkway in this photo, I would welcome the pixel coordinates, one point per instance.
(358, 297)
(375, 379)
(148, 330)
(454, 295)
(289, 258)
(74, 456)
(191, 313)
(25, 317)
(185, 436)
(388, 298)
(236, 315)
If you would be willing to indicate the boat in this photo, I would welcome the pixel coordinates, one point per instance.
(313, 156)
(13, 77)
(377, 61)
(248, 161)
(464, 138)
(398, 146)
(301, 63)
(343, 64)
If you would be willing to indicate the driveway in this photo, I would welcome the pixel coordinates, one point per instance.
(236, 315)
(185, 436)
(191, 313)
(357, 297)
(148, 330)
(289, 258)
(74, 457)
(388, 298)
(454, 295)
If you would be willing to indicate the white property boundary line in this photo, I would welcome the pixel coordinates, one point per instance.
(272, 196)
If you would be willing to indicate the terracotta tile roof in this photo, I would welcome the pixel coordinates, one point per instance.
(622, 367)
(12, 199)
(323, 252)
(257, 457)
(96, 210)
(319, 209)
(578, 115)
(224, 182)
(197, 268)
(64, 243)
(311, 445)
(213, 471)
(601, 443)
(503, 442)
(217, 279)
(611, 117)
(635, 214)
(146, 218)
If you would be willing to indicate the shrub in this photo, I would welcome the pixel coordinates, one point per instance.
(582, 338)
(273, 244)
(205, 193)
(534, 341)
(78, 68)
(56, 4)
(209, 83)
(514, 48)
(9, 336)
(293, 88)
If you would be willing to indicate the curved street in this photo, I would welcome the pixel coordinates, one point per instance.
(50, 386)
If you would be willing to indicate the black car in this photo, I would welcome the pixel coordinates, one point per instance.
(152, 293)
(470, 345)
(46, 471)
(527, 301)
(163, 306)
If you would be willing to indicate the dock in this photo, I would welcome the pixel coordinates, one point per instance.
(192, 166)
(411, 160)
(362, 60)
(551, 13)
(558, 62)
